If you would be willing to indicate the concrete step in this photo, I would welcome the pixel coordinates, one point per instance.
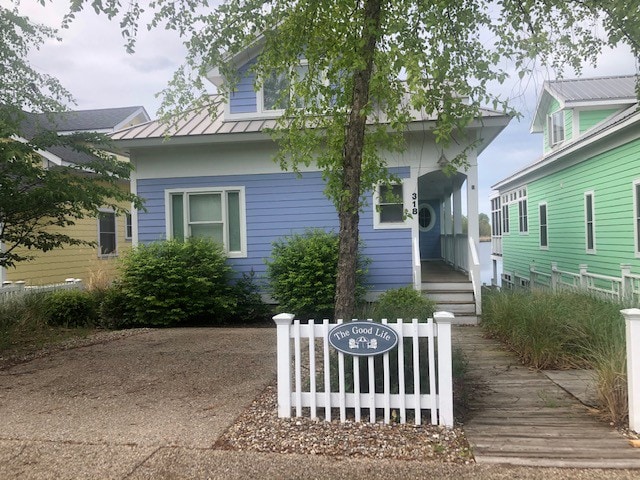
(444, 286)
(457, 308)
(450, 296)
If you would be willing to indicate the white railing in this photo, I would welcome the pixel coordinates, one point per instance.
(417, 265)
(327, 382)
(625, 287)
(474, 272)
(632, 321)
(454, 249)
(11, 289)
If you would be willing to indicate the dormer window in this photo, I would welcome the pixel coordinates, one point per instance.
(556, 128)
(276, 90)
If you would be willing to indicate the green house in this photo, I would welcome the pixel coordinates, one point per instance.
(573, 216)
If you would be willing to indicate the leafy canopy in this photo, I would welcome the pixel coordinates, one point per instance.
(40, 199)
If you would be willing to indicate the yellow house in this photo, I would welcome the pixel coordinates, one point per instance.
(112, 233)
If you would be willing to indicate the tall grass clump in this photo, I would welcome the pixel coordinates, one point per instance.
(564, 330)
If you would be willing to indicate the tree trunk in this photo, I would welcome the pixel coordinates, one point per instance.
(348, 209)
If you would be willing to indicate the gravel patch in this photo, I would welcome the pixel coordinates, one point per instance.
(259, 429)
(78, 342)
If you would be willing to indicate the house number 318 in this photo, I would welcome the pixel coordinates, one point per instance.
(414, 198)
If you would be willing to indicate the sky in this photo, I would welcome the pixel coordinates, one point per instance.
(92, 64)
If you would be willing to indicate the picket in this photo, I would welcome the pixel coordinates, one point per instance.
(363, 395)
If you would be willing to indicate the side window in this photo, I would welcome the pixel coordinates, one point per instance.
(505, 218)
(589, 222)
(544, 231)
(523, 218)
(128, 227)
(107, 234)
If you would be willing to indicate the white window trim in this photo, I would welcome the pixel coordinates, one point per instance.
(115, 225)
(505, 219)
(636, 205)
(243, 217)
(128, 237)
(546, 210)
(593, 222)
(526, 215)
(552, 141)
(406, 200)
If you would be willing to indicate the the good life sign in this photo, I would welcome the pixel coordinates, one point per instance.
(363, 338)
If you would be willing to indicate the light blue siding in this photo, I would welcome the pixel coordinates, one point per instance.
(281, 204)
(243, 98)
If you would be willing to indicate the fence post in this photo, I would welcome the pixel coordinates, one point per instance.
(532, 276)
(632, 321)
(445, 381)
(283, 322)
(583, 275)
(626, 290)
(554, 276)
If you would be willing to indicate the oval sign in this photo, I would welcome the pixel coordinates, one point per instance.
(363, 338)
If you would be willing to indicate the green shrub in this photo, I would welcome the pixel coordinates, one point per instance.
(71, 308)
(405, 302)
(249, 305)
(302, 273)
(113, 310)
(173, 282)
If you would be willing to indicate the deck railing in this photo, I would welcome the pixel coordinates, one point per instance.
(12, 289)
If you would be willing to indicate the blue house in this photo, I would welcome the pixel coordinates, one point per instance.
(215, 176)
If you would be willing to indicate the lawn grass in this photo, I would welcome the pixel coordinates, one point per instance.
(557, 330)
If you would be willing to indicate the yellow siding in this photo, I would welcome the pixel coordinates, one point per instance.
(80, 262)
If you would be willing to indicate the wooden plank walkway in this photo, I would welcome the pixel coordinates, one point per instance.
(520, 417)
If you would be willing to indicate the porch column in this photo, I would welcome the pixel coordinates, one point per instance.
(447, 230)
(457, 227)
(473, 230)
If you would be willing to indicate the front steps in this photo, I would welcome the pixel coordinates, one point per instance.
(454, 297)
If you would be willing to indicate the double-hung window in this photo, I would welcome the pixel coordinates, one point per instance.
(216, 213)
(544, 229)
(128, 226)
(277, 92)
(505, 218)
(523, 218)
(391, 204)
(589, 222)
(556, 128)
(107, 234)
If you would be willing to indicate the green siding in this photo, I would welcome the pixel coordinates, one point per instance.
(568, 124)
(590, 118)
(610, 176)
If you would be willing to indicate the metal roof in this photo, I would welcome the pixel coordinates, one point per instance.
(201, 122)
(584, 92)
(594, 89)
(86, 120)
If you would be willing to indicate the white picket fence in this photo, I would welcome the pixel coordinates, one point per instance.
(12, 289)
(307, 386)
(632, 327)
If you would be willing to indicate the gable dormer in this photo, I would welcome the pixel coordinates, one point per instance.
(568, 109)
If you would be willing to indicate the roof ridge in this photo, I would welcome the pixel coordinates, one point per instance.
(586, 79)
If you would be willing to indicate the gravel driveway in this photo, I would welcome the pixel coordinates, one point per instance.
(156, 388)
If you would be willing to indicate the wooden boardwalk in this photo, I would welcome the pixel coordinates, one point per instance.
(520, 417)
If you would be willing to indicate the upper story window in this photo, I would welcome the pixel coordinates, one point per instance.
(555, 128)
(544, 228)
(505, 213)
(214, 213)
(276, 90)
